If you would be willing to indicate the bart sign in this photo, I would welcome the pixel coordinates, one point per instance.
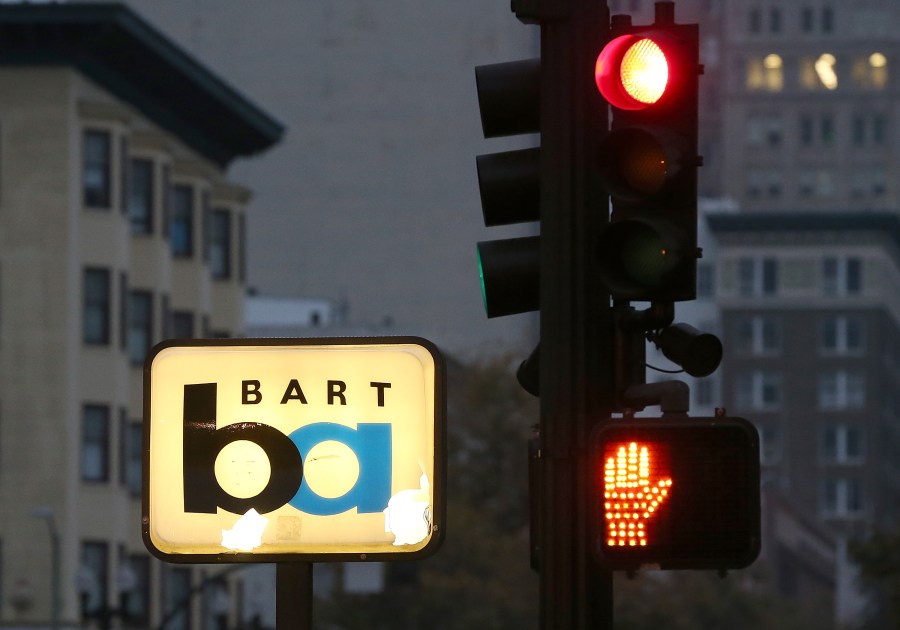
(318, 450)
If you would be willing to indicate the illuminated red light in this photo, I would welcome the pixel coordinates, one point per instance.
(631, 496)
(632, 72)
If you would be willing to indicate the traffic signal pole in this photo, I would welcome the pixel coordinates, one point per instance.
(576, 329)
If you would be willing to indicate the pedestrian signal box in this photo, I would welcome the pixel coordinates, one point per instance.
(676, 493)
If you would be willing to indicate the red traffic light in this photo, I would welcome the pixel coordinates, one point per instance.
(632, 72)
(676, 493)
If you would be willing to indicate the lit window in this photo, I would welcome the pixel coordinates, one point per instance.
(766, 74)
(819, 72)
(871, 72)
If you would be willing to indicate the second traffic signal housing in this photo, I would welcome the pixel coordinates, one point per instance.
(649, 77)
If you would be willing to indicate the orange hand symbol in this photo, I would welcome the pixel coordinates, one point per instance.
(631, 499)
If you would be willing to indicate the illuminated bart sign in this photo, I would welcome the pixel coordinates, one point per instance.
(297, 449)
(678, 493)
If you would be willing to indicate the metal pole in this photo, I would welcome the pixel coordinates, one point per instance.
(293, 595)
(576, 364)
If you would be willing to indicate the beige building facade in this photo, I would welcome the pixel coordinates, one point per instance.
(119, 228)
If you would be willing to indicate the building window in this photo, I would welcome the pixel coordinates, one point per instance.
(841, 390)
(842, 276)
(132, 451)
(242, 248)
(706, 280)
(95, 443)
(765, 74)
(176, 591)
(827, 20)
(757, 276)
(220, 252)
(183, 221)
(97, 169)
(817, 73)
(140, 199)
(842, 444)
(764, 130)
(139, 598)
(759, 390)
(140, 325)
(841, 497)
(93, 575)
(806, 19)
(183, 325)
(754, 20)
(770, 443)
(871, 71)
(775, 20)
(842, 335)
(96, 306)
(759, 335)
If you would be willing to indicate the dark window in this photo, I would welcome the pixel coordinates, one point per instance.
(755, 21)
(775, 20)
(806, 130)
(93, 575)
(827, 20)
(242, 248)
(140, 325)
(166, 321)
(95, 443)
(96, 306)
(182, 324)
(220, 253)
(176, 588)
(166, 199)
(138, 606)
(854, 275)
(207, 218)
(140, 199)
(806, 20)
(827, 130)
(124, 175)
(879, 127)
(123, 310)
(132, 449)
(96, 169)
(859, 130)
(183, 221)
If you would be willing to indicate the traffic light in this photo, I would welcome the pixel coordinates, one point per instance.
(676, 493)
(509, 182)
(649, 77)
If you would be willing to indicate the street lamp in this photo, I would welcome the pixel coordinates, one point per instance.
(47, 515)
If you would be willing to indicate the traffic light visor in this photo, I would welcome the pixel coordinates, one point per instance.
(632, 72)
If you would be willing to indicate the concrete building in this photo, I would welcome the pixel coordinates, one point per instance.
(810, 315)
(118, 227)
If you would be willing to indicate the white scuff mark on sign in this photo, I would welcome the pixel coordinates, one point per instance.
(246, 535)
(408, 514)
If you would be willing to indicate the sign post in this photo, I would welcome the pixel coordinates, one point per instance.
(294, 451)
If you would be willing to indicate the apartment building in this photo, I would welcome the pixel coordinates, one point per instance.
(119, 227)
